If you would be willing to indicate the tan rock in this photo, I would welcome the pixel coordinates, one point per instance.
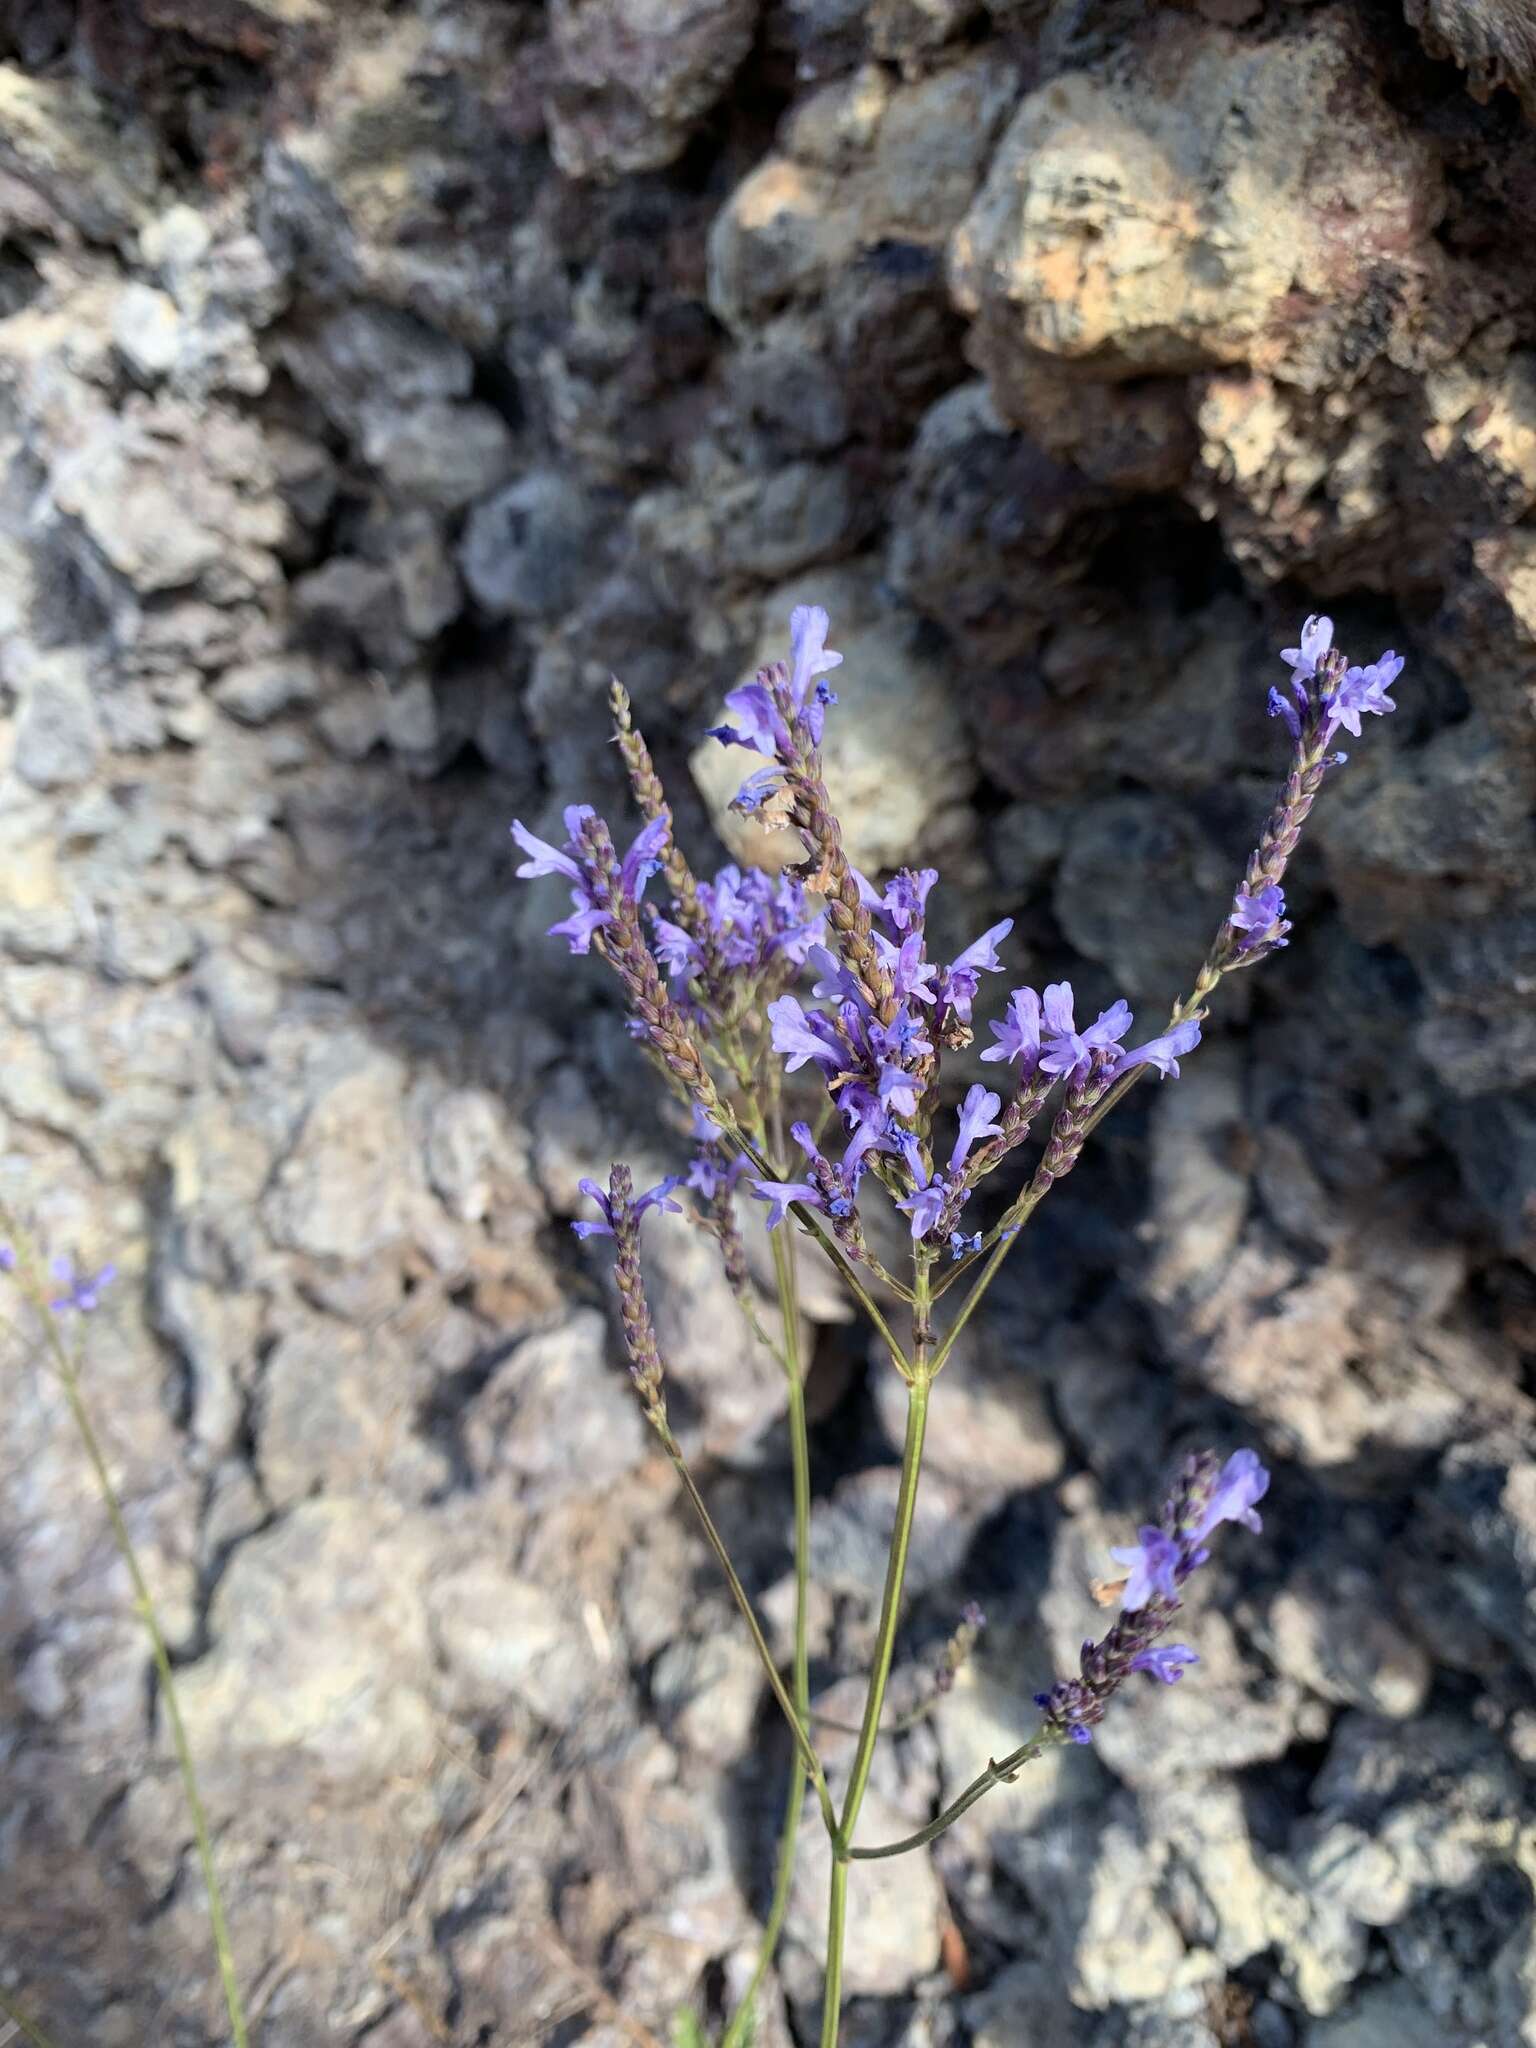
(1186, 211)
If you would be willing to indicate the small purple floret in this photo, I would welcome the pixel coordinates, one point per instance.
(80, 1292)
(657, 1197)
(1167, 1662)
(1241, 1483)
(1150, 1565)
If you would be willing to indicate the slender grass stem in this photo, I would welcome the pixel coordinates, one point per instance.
(144, 1607)
(739, 1594)
(737, 2032)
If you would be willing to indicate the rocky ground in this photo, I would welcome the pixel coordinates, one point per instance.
(374, 381)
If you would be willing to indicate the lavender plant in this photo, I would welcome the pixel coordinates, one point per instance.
(814, 991)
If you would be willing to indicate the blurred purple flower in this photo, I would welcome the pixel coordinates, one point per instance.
(657, 1197)
(1167, 1662)
(81, 1292)
(1150, 1566)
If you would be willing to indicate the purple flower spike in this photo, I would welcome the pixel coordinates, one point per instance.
(780, 1193)
(1241, 1483)
(1316, 639)
(80, 1292)
(1018, 1035)
(977, 1114)
(1150, 1567)
(1167, 1663)
(657, 1197)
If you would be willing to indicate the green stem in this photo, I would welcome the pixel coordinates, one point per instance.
(144, 1607)
(739, 1594)
(885, 1645)
(737, 2032)
(995, 1774)
(890, 1607)
(837, 1928)
(19, 2020)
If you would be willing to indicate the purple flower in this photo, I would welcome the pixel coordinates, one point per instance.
(925, 1206)
(780, 1193)
(906, 896)
(959, 981)
(585, 919)
(909, 971)
(960, 1244)
(1068, 1050)
(676, 950)
(759, 727)
(898, 1090)
(1241, 1482)
(1167, 1662)
(796, 1038)
(548, 860)
(1281, 706)
(7, 1259)
(809, 655)
(1364, 690)
(1316, 639)
(712, 1172)
(1260, 918)
(977, 1112)
(653, 1198)
(755, 791)
(1258, 913)
(1150, 1567)
(81, 1292)
(1163, 1053)
(1018, 1035)
(644, 858)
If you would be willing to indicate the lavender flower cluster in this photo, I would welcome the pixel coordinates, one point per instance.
(715, 988)
(1155, 1569)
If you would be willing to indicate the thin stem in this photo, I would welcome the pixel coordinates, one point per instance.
(837, 1928)
(890, 1607)
(144, 1607)
(995, 1774)
(739, 1593)
(885, 1644)
(737, 2031)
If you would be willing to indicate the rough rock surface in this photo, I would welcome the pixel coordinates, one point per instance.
(377, 380)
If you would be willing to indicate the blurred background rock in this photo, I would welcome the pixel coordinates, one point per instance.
(376, 380)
